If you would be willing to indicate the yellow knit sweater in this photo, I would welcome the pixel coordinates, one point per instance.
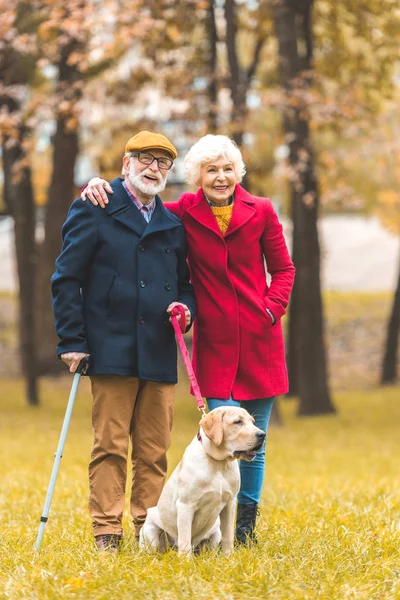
(223, 214)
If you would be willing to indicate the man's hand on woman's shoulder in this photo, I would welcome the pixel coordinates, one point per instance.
(96, 190)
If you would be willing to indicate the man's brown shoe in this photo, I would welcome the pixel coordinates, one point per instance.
(108, 542)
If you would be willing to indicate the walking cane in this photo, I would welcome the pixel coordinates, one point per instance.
(179, 329)
(58, 455)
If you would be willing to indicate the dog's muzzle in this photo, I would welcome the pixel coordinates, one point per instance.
(250, 454)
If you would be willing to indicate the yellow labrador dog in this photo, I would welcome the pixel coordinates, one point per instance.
(197, 504)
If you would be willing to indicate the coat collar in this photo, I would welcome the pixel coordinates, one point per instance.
(161, 220)
(123, 210)
(243, 210)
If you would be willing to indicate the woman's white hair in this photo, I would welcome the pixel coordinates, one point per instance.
(209, 148)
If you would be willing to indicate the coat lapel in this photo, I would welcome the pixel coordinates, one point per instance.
(121, 209)
(161, 220)
(201, 212)
(243, 210)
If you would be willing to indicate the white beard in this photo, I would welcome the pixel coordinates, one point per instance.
(149, 189)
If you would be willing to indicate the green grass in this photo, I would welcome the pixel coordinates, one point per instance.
(329, 525)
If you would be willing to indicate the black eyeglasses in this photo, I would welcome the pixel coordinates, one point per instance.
(146, 158)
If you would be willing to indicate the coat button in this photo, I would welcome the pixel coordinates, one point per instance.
(141, 248)
(168, 286)
(166, 249)
(142, 284)
(141, 320)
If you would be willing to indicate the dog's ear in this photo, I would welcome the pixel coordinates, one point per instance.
(212, 426)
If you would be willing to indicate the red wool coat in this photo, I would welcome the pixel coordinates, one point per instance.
(236, 350)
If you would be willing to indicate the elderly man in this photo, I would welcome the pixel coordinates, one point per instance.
(120, 272)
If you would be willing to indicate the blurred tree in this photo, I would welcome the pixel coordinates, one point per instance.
(240, 78)
(307, 355)
(388, 211)
(356, 56)
(64, 33)
(17, 65)
(19, 198)
(211, 28)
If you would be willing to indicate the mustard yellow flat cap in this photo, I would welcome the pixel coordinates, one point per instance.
(146, 140)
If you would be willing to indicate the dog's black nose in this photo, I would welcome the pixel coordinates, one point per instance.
(260, 435)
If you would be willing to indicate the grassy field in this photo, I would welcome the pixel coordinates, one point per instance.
(329, 525)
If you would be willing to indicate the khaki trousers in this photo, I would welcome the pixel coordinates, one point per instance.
(123, 408)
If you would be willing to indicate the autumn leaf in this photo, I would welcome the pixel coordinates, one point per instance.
(388, 210)
(173, 33)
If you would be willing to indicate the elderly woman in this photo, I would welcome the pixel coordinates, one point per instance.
(238, 349)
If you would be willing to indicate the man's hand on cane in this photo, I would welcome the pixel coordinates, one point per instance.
(72, 359)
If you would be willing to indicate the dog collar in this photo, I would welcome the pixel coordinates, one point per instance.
(199, 437)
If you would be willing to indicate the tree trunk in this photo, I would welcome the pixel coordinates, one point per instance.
(306, 342)
(389, 366)
(237, 80)
(212, 120)
(19, 198)
(60, 196)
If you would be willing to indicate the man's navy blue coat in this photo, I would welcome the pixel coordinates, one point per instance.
(114, 279)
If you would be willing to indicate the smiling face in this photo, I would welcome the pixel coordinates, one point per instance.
(218, 180)
(145, 180)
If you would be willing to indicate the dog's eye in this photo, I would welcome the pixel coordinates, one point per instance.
(238, 422)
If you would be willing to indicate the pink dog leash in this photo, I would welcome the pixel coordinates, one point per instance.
(179, 329)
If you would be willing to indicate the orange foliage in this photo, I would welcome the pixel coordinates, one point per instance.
(388, 209)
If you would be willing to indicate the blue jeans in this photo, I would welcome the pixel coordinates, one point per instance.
(251, 473)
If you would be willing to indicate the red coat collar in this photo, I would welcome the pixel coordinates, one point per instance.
(243, 210)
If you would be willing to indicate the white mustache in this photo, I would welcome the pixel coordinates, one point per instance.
(151, 174)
